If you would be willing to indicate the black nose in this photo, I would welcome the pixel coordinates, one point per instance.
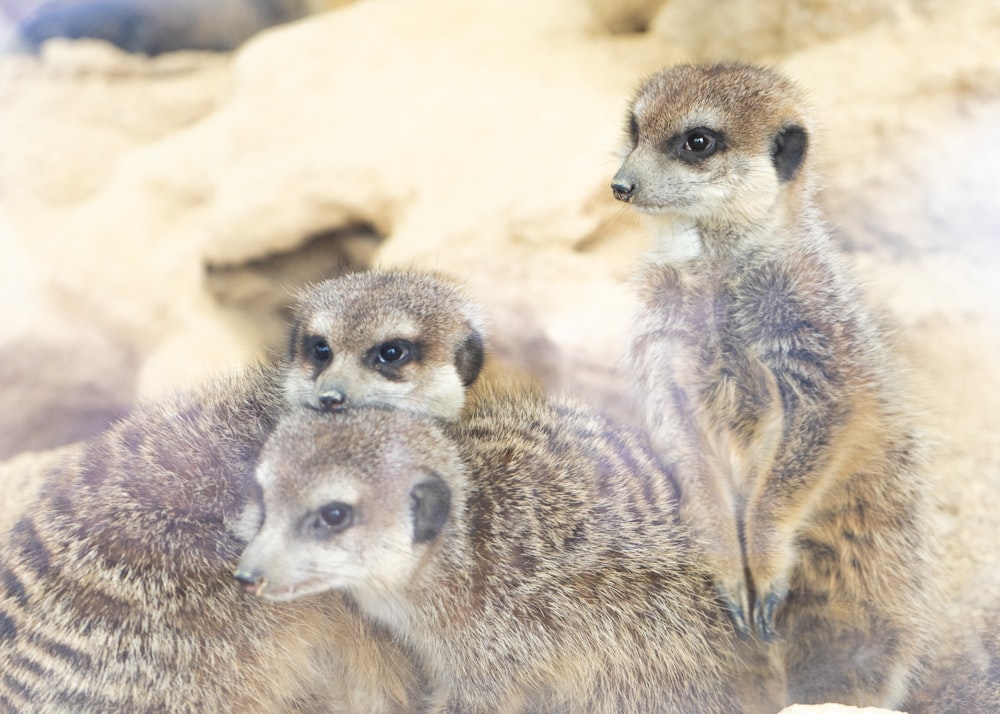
(332, 399)
(251, 581)
(623, 189)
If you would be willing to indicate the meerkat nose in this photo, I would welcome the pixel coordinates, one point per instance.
(623, 188)
(252, 582)
(332, 398)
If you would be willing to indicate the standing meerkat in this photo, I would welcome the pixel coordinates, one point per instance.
(116, 591)
(401, 339)
(752, 347)
(530, 556)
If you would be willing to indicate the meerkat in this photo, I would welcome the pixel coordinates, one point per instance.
(530, 555)
(758, 367)
(401, 339)
(116, 591)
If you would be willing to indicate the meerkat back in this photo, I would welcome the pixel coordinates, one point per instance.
(759, 367)
(530, 556)
(116, 592)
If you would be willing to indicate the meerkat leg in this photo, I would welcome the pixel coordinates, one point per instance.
(862, 604)
(669, 350)
(775, 514)
(708, 507)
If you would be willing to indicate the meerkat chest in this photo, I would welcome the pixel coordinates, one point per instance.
(675, 240)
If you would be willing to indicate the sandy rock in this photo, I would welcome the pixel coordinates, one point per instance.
(752, 31)
(60, 380)
(623, 16)
(255, 178)
(53, 158)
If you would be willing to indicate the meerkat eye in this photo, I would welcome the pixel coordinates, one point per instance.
(696, 145)
(699, 142)
(318, 350)
(335, 517)
(393, 353)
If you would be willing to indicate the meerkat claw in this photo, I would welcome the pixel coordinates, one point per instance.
(738, 617)
(764, 616)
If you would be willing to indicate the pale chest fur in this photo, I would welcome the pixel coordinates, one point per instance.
(702, 384)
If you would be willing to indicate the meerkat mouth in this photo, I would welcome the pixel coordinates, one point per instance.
(264, 589)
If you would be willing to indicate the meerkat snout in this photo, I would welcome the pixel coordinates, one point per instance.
(331, 399)
(394, 339)
(623, 187)
(253, 582)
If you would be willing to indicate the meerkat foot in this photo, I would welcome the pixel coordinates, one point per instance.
(764, 609)
(735, 599)
(737, 615)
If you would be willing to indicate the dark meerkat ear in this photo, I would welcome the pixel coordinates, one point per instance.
(469, 357)
(788, 150)
(293, 339)
(431, 503)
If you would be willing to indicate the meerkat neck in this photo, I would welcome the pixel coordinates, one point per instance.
(384, 606)
(675, 239)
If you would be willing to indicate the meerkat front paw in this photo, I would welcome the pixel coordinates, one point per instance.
(772, 559)
(735, 598)
(765, 607)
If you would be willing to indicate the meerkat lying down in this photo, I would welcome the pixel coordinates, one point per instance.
(530, 555)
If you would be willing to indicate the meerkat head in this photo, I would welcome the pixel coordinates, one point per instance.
(387, 338)
(713, 144)
(351, 502)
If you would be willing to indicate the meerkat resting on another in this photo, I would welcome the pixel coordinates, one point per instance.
(116, 593)
(801, 473)
(399, 339)
(530, 555)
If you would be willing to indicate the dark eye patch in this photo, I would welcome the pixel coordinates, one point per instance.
(394, 352)
(333, 517)
(696, 145)
(388, 357)
(317, 350)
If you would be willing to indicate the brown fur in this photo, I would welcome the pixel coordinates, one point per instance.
(964, 673)
(116, 592)
(557, 578)
(759, 368)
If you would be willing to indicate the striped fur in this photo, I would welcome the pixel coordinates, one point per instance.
(116, 593)
(561, 580)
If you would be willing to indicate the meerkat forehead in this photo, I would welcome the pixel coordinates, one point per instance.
(746, 103)
(367, 445)
(403, 301)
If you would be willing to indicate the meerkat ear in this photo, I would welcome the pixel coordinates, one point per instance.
(788, 150)
(469, 357)
(431, 503)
